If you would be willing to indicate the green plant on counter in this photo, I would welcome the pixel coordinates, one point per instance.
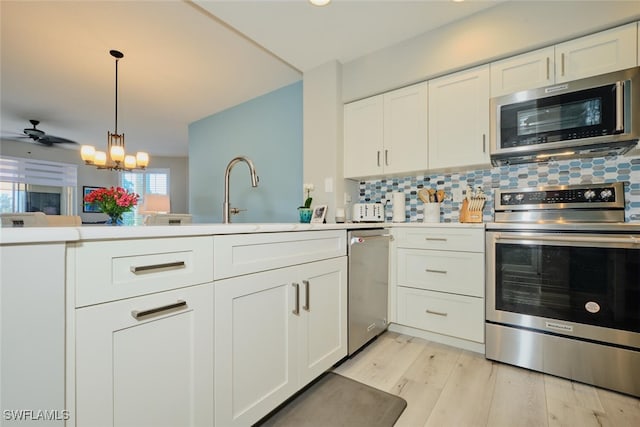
(307, 202)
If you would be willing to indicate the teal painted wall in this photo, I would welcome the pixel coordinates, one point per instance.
(268, 130)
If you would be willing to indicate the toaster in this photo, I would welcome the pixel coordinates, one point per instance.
(368, 212)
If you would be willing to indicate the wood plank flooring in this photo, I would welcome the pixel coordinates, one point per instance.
(446, 386)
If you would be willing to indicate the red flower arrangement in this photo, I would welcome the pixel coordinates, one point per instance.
(113, 201)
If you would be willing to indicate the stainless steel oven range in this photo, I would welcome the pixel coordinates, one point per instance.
(563, 284)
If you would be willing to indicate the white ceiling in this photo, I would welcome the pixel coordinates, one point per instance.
(183, 60)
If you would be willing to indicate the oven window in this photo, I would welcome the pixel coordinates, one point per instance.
(592, 285)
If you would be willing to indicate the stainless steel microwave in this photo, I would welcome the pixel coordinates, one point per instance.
(596, 116)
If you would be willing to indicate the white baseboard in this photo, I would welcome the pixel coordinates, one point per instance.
(439, 338)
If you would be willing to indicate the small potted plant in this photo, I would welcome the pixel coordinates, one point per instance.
(305, 210)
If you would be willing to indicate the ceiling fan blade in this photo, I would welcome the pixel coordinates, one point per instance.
(50, 139)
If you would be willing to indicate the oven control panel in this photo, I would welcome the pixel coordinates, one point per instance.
(565, 197)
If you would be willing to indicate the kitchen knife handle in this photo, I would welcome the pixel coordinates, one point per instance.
(296, 310)
(306, 305)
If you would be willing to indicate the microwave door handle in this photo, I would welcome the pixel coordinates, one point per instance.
(619, 106)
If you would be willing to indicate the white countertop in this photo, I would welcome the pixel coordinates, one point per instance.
(102, 232)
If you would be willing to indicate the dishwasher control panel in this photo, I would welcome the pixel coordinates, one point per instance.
(368, 212)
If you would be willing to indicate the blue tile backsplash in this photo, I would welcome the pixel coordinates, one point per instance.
(566, 172)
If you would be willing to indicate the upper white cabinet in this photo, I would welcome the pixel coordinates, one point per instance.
(599, 53)
(459, 119)
(386, 133)
(527, 71)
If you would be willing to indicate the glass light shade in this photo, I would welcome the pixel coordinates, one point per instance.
(129, 161)
(319, 2)
(100, 158)
(87, 153)
(117, 153)
(142, 159)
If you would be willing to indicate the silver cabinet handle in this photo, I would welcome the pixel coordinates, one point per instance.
(623, 239)
(436, 239)
(548, 65)
(306, 305)
(437, 313)
(386, 157)
(164, 266)
(378, 158)
(484, 143)
(139, 315)
(296, 310)
(562, 64)
(428, 270)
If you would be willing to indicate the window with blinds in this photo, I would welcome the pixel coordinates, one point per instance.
(29, 185)
(150, 181)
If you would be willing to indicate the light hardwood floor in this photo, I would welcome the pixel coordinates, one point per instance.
(446, 386)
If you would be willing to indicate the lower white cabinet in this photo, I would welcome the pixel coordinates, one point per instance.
(275, 331)
(146, 361)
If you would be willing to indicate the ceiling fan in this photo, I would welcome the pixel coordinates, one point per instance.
(41, 137)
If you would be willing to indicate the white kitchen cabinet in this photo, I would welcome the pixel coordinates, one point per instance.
(439, 283)
(156, 369)
(599, 53)
(276, 331)
(527, 71)
(32, 331)
(459, 119)
(386, 133)
(265, 352)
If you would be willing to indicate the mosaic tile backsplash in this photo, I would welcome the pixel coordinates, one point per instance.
(566, 172)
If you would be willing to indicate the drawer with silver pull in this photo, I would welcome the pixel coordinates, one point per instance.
(440, 238)
(454, 272)
(102, 271)
(454, 315)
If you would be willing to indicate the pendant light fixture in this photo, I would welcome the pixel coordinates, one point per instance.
(115, 158)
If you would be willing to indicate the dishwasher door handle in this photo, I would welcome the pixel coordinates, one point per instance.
(362, 239)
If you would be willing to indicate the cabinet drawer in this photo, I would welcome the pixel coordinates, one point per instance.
(112, 270)
(251, 253)
(448, 314)
(447, 271)
(446, 239)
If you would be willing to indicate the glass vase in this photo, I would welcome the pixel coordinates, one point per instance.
(115, 220)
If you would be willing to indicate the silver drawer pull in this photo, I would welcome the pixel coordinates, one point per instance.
(437, 313)
(138, 315)
(435, 239)
(306, 305)
(164, 266)
(296, 310)
(428, 270)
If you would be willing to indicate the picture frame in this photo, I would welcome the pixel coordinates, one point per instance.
(319, 214)
(89, 207)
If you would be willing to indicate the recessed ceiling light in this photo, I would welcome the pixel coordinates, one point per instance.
(319, 2)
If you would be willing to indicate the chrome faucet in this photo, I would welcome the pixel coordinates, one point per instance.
(227, 209)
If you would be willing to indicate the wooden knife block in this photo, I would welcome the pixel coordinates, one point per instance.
(469, 216)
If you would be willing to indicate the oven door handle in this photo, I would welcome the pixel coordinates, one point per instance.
(569, 238)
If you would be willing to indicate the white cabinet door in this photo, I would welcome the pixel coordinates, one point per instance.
(154, 370)
(363, 137)
(599, 53)
(405, 129)
(256, 337)
(32, 330)
(323, 339)
(527, 71)
(459, 119)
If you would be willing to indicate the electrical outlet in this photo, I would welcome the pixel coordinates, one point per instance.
(457, 194)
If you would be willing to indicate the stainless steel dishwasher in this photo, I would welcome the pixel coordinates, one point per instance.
(368, 285)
